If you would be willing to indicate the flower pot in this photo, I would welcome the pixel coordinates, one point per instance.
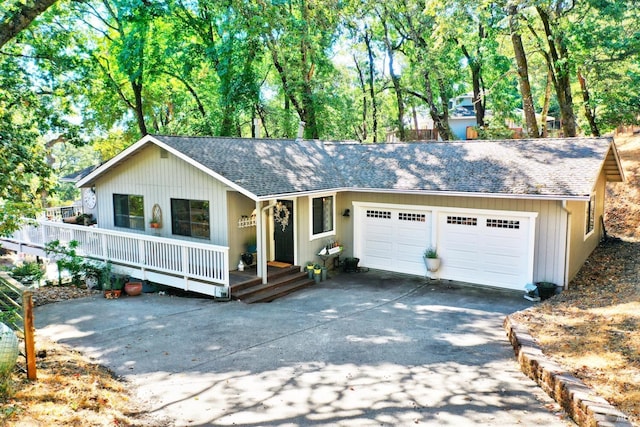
(433, 264)
(310, 271)
(546, 290)
(351, 264)
(154, 225)
(247, 258)
(112, 294)
(324, 273)
(133, 288)
(317, 275)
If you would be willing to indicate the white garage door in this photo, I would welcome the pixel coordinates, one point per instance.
(392, 239)
(488, 249)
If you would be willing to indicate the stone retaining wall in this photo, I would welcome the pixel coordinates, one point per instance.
(585, 407)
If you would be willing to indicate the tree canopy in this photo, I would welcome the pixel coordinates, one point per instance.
(105, 72)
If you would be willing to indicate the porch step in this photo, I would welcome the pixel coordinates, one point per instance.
(279, 284)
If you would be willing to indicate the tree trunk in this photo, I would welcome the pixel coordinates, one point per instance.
(22, 18)
(137, 94)
(545, 107)
(559, 63)
(523, 74)
(588, 111)
(372, 91)
(362, 130)
(395, 79)
(441, 125)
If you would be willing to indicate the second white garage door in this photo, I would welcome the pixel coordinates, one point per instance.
(486, 248)
(393, 239)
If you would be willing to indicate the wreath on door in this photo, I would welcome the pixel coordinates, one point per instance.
(281, 215)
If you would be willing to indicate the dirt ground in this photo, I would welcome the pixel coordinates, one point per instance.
(592, 330)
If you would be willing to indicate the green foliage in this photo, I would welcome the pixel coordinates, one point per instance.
(431, 253)
(27, 272)
(66, 258)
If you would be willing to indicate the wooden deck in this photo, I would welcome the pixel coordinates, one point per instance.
(247, 287)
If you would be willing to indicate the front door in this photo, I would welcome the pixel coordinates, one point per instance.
(283, 231)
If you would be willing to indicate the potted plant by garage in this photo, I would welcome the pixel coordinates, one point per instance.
(431, 259)
(317, 273)
(310, 270)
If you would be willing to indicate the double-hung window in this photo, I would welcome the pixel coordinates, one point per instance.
(128, 211)
(190, 218)
(322, 216)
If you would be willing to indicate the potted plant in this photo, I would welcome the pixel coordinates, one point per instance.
(133, 288)
(113, 287)
(317, 273)
(310, 270)
(546, 290)
(155, 222)
(431, 259)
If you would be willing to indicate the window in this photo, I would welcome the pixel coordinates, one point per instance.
(322, 215)
(128, 211)
(462, 220)
(190, 218)
(378, 214)
(590, 214)
(503, 223)
(414, 217)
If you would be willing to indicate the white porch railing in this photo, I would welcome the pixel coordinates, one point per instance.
(194, 263)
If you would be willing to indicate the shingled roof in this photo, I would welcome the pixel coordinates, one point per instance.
(266, 168)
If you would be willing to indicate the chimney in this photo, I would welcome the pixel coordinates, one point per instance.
(300, 130)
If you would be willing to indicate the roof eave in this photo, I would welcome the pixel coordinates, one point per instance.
(556, 197)
(149, 139)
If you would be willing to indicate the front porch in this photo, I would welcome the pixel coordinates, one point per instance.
(186, 265)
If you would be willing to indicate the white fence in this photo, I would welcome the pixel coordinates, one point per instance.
(185, 264)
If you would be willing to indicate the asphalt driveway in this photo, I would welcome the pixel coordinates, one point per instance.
(362, 349)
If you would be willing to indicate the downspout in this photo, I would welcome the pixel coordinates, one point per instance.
(262, 233)
(567, 244)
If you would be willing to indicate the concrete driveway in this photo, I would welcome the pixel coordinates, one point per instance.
(362, 349)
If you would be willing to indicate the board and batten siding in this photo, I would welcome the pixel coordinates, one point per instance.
(580, 244)
(159, 180)
(550, 224)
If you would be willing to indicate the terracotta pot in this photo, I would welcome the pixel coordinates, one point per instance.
(112, 294)
(133, 288)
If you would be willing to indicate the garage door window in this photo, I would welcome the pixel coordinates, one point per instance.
(323, 216)
(414, 217)
(462, 220)
(378, 214)
(503, 223)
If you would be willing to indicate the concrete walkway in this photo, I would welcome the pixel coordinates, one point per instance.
(362, 349)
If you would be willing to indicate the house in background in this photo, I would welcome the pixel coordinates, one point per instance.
(462, 121)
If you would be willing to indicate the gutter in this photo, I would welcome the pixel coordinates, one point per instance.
(567, 244)
(562, 198)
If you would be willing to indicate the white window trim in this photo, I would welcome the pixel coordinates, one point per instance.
(327, 233)
(586, 216)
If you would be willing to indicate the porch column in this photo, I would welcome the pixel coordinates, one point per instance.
(260, 239)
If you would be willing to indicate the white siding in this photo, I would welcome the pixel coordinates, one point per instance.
(159, 180)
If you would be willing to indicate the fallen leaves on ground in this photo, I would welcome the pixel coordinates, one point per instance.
(592, 328)
(69, 391)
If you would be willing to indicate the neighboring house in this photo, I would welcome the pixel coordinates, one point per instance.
(500, 213)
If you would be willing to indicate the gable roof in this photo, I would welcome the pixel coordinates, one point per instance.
(563, 168)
